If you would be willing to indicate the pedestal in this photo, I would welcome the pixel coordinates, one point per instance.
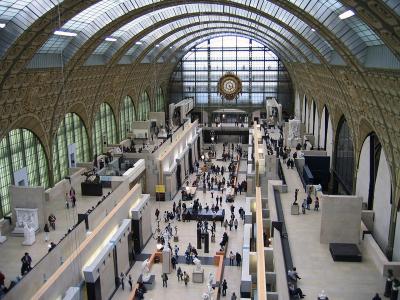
(29, 238)
(166, 260)
(176, 238)
(213, 239)
(294, 210)
(198, 276)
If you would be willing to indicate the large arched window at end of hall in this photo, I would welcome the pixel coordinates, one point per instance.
(159, 103)
(127, 115)
(70, 145)
(22, 162)
(105, 130)
(144, 107)
(344, 160)
(262, 73)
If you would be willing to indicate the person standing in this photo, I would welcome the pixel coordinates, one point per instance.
(224, 287)
(303, 206)
(238, 259)
(26, 263)
(179, 274)
(67, 199)
(164, 277)
(173, 262)
(122, 278)
(157, 213)
(230, 224)
(231, 258)
(46, 230)
(130, 281)
(236, 223)
(233, 296)
(52, 221)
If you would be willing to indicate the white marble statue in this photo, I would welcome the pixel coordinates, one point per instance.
(294, 129)
(197, 263)
(211, 279)
(29, 235)
(146, 270)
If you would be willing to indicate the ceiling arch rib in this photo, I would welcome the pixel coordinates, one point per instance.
(152, 52)
(108, 49)
(19, 15)
(56, 43)
(157, 38)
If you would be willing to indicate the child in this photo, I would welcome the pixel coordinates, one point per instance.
(316, 205)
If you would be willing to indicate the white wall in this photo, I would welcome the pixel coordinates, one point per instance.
(396, 246)
(297, 106)
(316, 129)
(363, 171)
(382, 206)
(303, 116)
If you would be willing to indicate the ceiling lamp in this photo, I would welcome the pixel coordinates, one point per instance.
(2, 25)
(138, 43)
(111, 39)
(65, 33)
(312, 29)
(346, 14)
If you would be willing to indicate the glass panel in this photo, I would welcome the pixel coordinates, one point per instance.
(127, 115)
(105, 131)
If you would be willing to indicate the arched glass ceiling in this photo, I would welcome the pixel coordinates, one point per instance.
(180, 47)
(173, 42)
(70, 45)
(18, 15)
(206, 22)
(393, 4)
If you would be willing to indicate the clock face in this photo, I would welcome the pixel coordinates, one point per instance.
(229, 86)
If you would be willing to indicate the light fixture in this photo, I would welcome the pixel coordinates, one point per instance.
(65, 33)
(170, 47)
(138, 43)
(347, 14)
(202, 157)
(111, 39)
(2, 25)
(312, 29)
(157, 45)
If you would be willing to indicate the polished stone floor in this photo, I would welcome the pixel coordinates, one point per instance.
(340, 280)
(187, 233)
(12, 250)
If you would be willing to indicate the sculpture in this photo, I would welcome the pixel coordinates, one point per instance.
(146, 270)
(197, 263)
(29, 235)
(210, 279)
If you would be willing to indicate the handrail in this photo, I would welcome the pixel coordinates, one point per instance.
(261, 282)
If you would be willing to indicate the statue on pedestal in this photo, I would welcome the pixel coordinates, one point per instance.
(29, 235)
(197, 263)
(146, 270)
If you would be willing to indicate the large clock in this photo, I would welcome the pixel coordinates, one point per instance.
(229, 86)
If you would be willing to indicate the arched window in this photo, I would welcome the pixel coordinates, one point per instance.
(105, 130)
(22, 158)
(70, 145)
(144, 107)
(344, 159)
(159, 105)
(126, 116)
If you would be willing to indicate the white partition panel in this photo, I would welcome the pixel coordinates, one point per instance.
(363, 171)
(382, 205)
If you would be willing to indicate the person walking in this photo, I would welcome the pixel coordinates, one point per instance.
(122, 278)
(67, 199)
(224, 287)
(185, 278)
(234, 297)
(226, 224)
(238, 259)
(173, 262)
(52, 221)
(316, 204)
(46, 230)
(377, 297)
(164, 277)
(157, 213)
(231, 258)
(179, 274)
(176, 250)
(303, 206)
(26, 263)
(130, 281)
(230, 224)
(236, 223)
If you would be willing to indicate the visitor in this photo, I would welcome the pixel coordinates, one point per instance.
(157, 213)
(52, 246)
(236, 223)
(377, 297)
(234, 297)
(46, 230)
(185, 277)
(130, 281)
(52, 221)
(309, 201)
(296, 192)
(238, 259)
(173, 262)
(304, 206)
(122, 278)
(179, 274)
(230, 224)
(67, 199)
(293, 275)
(224, 287)
(176, 250)
(226, 224)
(316, 204)
(231, 258)
(295, 291)
(26, 263)
(164, 277)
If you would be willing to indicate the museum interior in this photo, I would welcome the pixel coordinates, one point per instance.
(199, 149)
